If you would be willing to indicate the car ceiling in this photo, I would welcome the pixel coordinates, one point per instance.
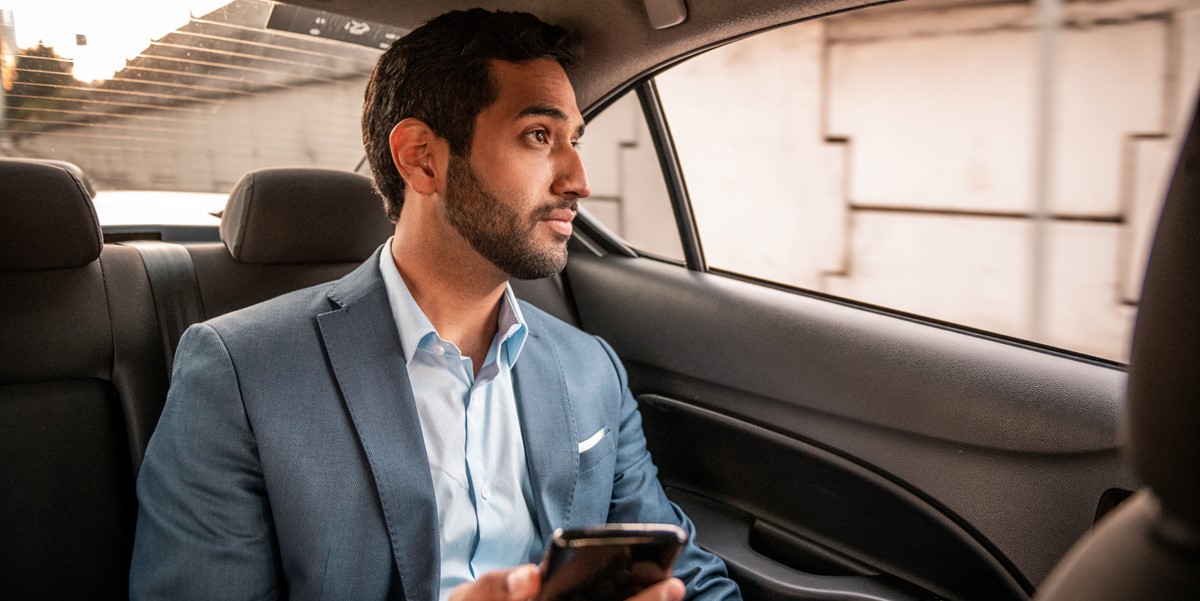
(619, 43)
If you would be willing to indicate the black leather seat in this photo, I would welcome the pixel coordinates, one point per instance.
(1149, 547)
(82, 383)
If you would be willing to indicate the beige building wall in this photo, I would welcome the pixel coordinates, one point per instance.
(207, 146)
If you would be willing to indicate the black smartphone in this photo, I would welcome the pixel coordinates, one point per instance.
(611, 562)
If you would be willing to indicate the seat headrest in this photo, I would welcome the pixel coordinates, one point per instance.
(303, 215)
(47, 220)
(72, 167)
(1163, 413)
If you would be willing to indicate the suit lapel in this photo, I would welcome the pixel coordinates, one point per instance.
(547, 428)
(364, 351)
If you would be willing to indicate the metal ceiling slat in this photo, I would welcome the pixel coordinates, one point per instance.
(103, 125)
(369, 63)
(232, 148)
(157, 107)
(238, 80)
(45, 58)
(227, 66)
(170, 84)
(105, 114)
(71, 134)
(125, 92)
(113, 148)
(246, 56)
(43, 72)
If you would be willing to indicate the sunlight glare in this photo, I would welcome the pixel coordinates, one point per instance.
(115, 31)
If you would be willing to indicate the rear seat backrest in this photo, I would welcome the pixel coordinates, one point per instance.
(82, 382)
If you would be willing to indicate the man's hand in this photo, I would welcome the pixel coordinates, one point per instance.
(523, 582)
(518, 584)
(670, 589)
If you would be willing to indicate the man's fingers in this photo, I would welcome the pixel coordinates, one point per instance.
(670, 589)
(523, 582)
(517, 584)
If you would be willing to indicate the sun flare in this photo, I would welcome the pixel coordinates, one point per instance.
(100, 35)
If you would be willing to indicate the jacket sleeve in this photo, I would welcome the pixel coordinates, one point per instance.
(204, 526)
(638, 497)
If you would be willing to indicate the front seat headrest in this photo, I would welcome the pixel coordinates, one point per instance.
(47, 220)
(1149, 546)
(303, 215)
(1163, 415)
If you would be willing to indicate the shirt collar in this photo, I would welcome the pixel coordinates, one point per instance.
(512, 328)
(415, 328)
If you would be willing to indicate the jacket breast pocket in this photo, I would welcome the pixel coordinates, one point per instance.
(596, 449)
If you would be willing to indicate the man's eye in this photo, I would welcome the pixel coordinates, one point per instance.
(540, 136)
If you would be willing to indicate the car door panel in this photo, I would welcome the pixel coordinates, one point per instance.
(1003, 450)
(817, 509)
(753, 551)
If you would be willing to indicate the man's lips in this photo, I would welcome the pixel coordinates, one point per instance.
(559, 220)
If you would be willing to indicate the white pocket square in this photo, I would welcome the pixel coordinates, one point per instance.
(592, 440)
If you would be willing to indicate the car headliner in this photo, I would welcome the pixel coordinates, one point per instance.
(620, 44)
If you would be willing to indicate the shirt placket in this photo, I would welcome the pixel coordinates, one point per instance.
(476, 459)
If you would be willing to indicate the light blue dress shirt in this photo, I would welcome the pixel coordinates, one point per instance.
(472, 436)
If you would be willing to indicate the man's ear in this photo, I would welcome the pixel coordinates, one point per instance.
(416, 151)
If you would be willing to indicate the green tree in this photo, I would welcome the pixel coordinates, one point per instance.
(42, 84)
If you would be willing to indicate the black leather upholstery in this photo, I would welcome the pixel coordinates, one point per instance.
(1149, 547)
(79, 391)
(303, 215)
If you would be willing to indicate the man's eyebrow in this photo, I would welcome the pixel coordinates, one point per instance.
(547, 110)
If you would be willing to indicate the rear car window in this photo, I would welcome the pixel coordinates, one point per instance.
(183, 96)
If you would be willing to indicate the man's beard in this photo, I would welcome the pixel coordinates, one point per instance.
(496, 231)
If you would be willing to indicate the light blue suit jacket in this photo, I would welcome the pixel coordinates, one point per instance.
(289, 460)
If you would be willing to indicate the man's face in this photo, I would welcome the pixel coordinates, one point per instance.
(514, 198)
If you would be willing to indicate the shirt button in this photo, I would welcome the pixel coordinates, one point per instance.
(439, 349)
(485, 492)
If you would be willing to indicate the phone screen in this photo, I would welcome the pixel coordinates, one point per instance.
(608, 563)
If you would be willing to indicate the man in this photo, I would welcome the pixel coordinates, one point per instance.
(411, 430)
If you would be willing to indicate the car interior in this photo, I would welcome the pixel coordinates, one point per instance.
(825, 449)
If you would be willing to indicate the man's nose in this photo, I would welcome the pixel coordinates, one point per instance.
(572, 180)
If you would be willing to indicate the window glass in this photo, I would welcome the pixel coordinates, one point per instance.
(182, 96)
(890, 156)
(629, 195)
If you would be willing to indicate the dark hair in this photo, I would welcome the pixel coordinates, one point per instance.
(439, 73)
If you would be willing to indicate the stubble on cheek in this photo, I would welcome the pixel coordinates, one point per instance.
(497, 232)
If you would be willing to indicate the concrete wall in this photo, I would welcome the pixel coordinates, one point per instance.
(891, 158)
(208, 146)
